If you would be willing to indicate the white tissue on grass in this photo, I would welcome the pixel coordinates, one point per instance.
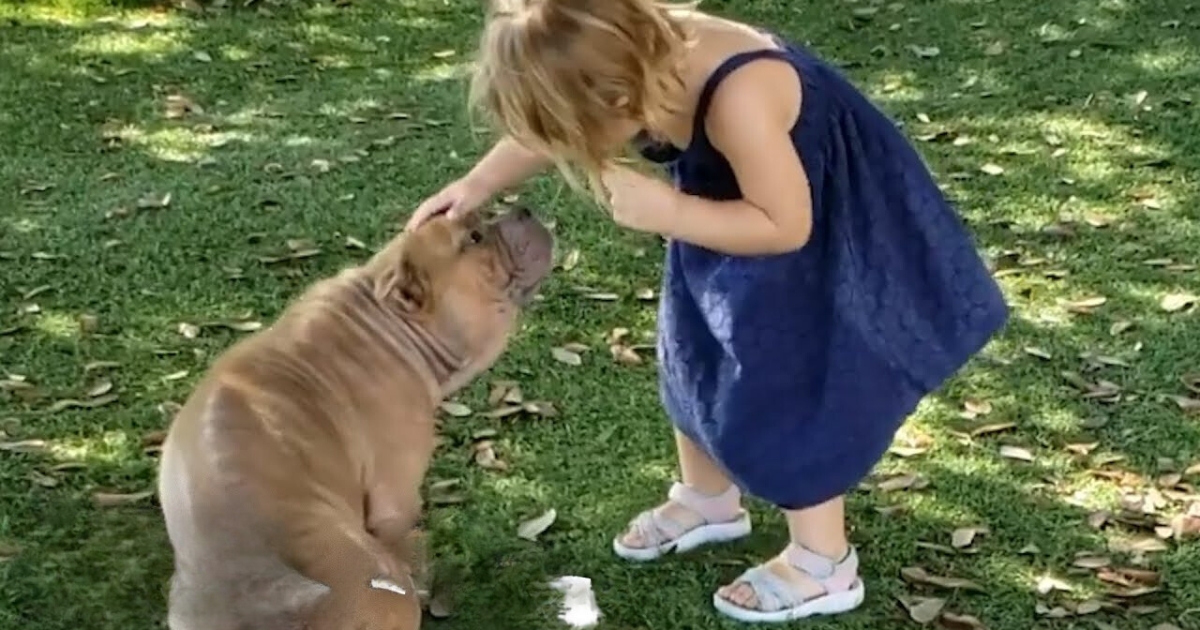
(579, 608)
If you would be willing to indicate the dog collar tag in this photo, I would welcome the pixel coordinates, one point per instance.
(385, 584)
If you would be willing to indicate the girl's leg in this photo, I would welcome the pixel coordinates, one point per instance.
(816, 574)
(705, 507)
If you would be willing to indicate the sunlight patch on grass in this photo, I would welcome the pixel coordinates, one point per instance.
(518, 489)
(894, 87)
(1167, 58)
(154, 44)
(178, 144)
(112, 446)
(56, 324)
(442, 72)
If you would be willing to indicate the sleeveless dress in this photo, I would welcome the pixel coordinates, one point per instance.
(795, 371)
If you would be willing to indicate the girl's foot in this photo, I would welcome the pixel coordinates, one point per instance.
(689, 519)
(796, 584)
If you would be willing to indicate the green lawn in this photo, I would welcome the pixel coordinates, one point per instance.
(1065, 130)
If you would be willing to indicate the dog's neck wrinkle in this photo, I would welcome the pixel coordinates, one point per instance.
(408, 339)
(442, 361)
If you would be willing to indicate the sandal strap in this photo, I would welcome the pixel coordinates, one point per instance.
(771, 591)
(833, 576)
(774, 593)
(710, 508)
(656, 528)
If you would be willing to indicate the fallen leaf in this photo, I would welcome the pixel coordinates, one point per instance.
(989, 429)
(1191, 381)
(644, 294)
(954, 621)
(92, 366)
(1086, 306)
(974, 408)
(1190, 405)
(443, 54)
(353, 243)
(964, 536)
(101, 388)
(900, 450)
(1088, 607)
(485, 456)
(566, 357)
(1016, 452)
(919, 575)
(907, 481)
(1048, 584)
(994, 48)
(154, 202)
(1174, 302)
(925, 52)
(71, 403)
(1034, 351)
(1184, 526)
(25, 446)
(107, 499)
(602, 297)
(531, 529)
(923, 610)
(571, 260)
(178, 106)
(624, 355)
(202, 56)
(456, 409)
(992, 169)
(1091, 562)
(1120, 327)
(505, 392)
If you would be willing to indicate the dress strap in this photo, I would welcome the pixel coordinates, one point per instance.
(728, 67)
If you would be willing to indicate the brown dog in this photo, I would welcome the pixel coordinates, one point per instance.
(290, 480)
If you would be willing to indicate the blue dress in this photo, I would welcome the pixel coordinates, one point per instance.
(795, 371)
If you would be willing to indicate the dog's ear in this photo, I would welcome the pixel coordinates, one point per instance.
(404, 283)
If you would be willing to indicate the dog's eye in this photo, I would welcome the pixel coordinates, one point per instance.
(476, 237)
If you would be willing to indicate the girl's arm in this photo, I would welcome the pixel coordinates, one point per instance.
(750, 121)
(506, 165)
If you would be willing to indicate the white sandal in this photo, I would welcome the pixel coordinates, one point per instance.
(778, 600)
(663, 534)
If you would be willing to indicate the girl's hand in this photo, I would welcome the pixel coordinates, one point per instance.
(456, 199)
(638, 201)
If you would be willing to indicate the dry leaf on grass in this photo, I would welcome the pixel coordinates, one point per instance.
(25, 446)
(955, 621)
(108, 499)
(566, 356)
(1174, 302)
(71, 403)
(531, 529)
(485, 456)
(963, 537)
(1016, 452)
(923, 610)
(455, 409)
(919, 575)
(905, 481)
(989, 429)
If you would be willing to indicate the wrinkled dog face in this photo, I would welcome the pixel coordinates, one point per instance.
(464, 281)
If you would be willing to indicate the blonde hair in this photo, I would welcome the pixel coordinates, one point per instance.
(556, 74)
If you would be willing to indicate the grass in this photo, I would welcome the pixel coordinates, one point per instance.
(1089, 107)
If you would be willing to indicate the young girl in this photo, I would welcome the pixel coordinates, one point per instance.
(817, 282)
